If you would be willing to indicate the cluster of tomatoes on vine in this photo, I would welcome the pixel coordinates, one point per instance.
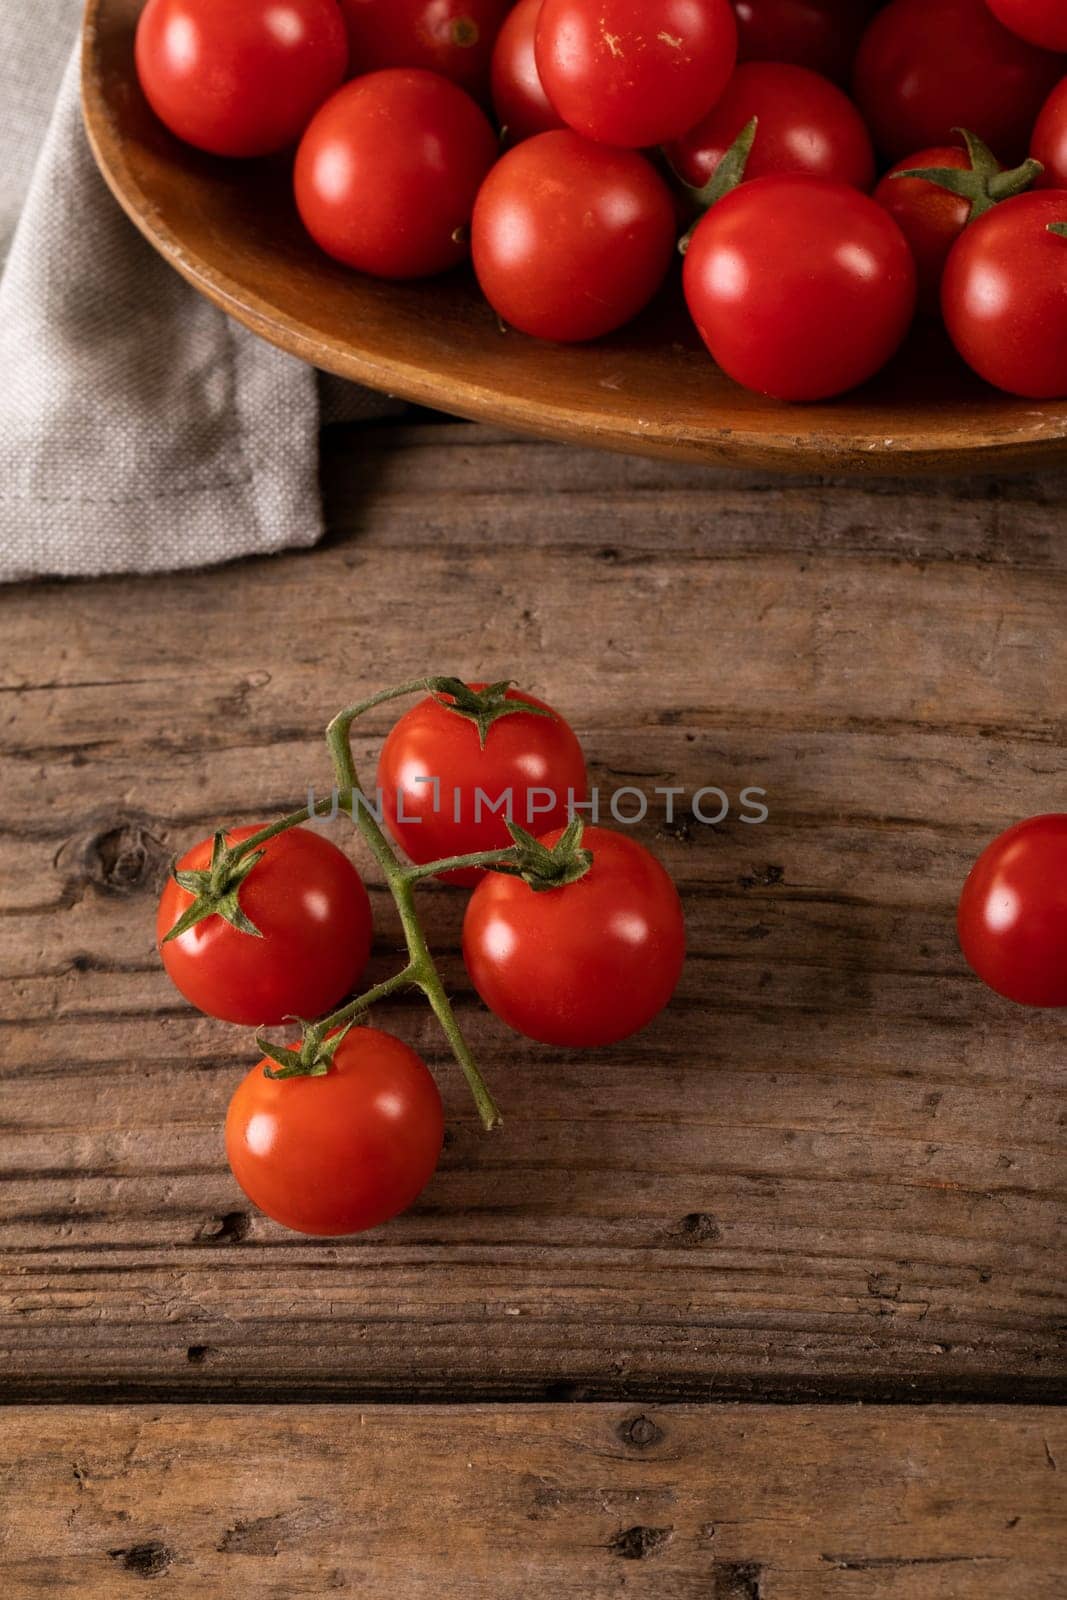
(621, 124)
(573, 935)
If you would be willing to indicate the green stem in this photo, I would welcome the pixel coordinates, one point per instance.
(983, 183)
(381, 991)
(727, 176)
(1006, 185)
(429, 981)
(321, 808)
(338, 743)
(422, 971)
(345, 719)
(482, 858)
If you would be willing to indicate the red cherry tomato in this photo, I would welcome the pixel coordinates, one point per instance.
(1040, 22)
(1004, 296)
(1049, 143)
(241, 79)
(1013, 913)
(398, 207)
(572, 239)
(822, 35)
(928, 67)
(585, 965)
(635, 72)
(452, 37)
(806, 124)
(310, 906)
(930, 218)
(801, 289)
(519, 99)
(535, 760)
(341, 1153)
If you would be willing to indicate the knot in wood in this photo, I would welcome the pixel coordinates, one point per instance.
(699, 1228)
(229, 1229)
(119, 855)
(640, 1432)
(637, 1544)
(738, 1580)
(146, 1560)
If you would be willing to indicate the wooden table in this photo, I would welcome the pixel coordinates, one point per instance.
(831, 1173)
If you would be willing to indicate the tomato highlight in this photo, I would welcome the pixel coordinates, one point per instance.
(1012, 916)
(239, 79)
(585, 965)
(449, 784)
(801, 289)
(300, 942)
(399, 208)
(635, 73)
(344, 1152)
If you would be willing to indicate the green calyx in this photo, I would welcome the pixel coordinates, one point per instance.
(549, 867)
(483, 707)
(215, 891)
(1059, 228)
(464, 32)
(984, 184)
(313, 1059)
(727, 176)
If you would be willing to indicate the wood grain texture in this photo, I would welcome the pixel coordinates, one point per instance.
(712, 1503)
(835, 1167)
(231, 230)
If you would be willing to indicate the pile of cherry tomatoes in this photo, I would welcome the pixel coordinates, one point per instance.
(574, 938)
(754, 129)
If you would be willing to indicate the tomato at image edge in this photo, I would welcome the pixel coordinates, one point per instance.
(1012, 917)
(452, 37)
(521, 752)
(396, 207)
(582, 966)
(571, 239)
(822, 35)
(342, 1153)
(801, 289)
(926, 68)
(522, 107)
(311, 908)
(1048, 143)
(929, 217)
(230, 79)
(635, 73)
(1040, 22)
(805, 124)
(1004, 296)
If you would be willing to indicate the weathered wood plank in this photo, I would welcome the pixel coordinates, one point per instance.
(700, 1503)
(834, 1168)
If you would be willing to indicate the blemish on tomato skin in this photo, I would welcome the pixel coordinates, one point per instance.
(465, 32)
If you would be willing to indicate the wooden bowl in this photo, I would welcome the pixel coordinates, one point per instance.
(231, 229)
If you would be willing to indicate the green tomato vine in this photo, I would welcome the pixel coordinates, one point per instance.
(216, 891)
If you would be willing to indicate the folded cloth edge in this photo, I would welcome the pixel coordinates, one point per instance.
(141, 428)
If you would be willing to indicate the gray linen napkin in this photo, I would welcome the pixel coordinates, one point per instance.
(140, 429)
